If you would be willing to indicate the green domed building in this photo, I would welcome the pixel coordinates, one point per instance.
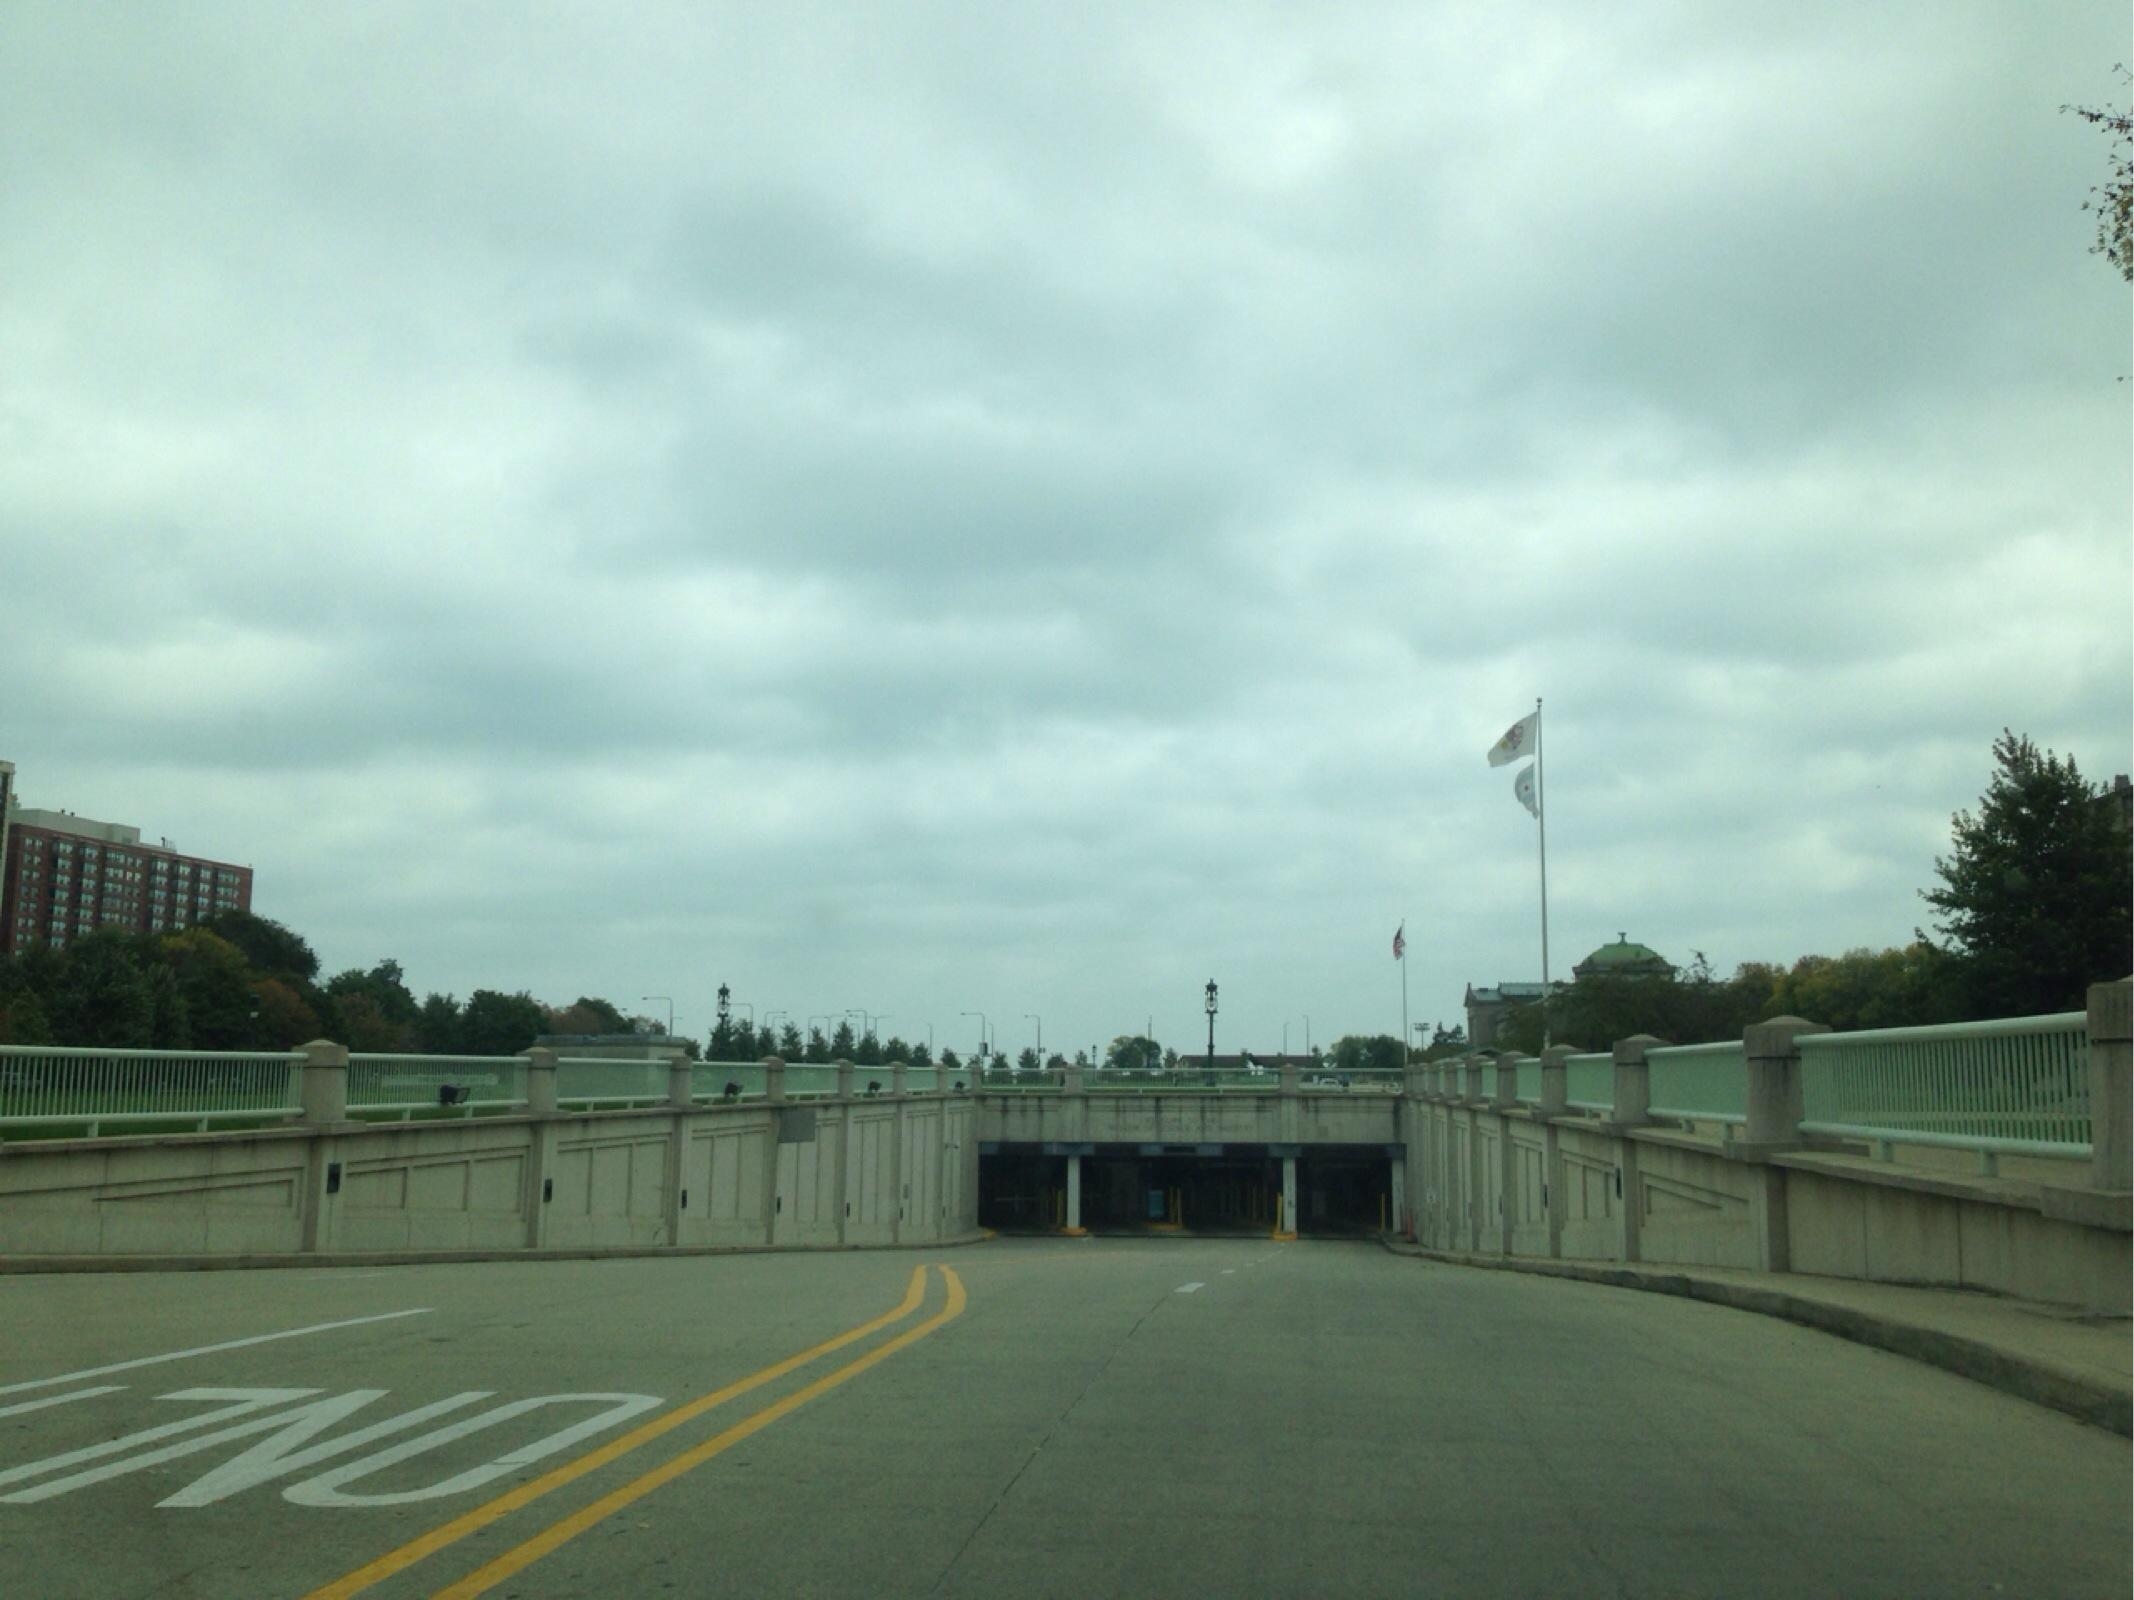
(1624, 959)
(1486, 1007)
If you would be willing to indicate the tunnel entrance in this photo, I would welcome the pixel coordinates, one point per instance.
(1344, 1194)
(1342, 1191)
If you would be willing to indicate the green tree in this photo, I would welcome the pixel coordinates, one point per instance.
(499, 1024)
(1446, 1041)
(2113, 200)
(790, 1047)
(270, 949)
(215, 981)
(1133, 1052)
(869, 1053)
(818, 1048)
(950, 1061)
(103, 995)
(1909, 987)
(1028, 1060)
(2035, 889)
(22, 1019)
(1377, 1052)
(282, 1019)
(439, 1026)
(589, 1014)
(843, 1047)
(374, 1010)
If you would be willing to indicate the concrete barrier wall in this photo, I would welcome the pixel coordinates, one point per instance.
(1582, 1189)
(1143, 1117)
(873, 1171)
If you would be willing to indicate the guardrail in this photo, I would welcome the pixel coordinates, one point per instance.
(1699, 1082)
(2017, 1084)
(1225, 1080)
(1589, 1082)
(401, 1087)
(80, 1086)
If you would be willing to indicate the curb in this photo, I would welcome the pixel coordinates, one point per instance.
(2042, 1383)
(23, 1266)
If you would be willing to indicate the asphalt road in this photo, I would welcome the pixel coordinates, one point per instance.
(1020, 1418)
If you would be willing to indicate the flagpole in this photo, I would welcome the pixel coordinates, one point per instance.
(1404, 991)
(1541, 815)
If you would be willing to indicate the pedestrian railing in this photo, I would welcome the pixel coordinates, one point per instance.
(2017, 1084)
(1699, 1082)
(603, 1084)
(1527, 1071)
(1589, 1081)
(385, 1087)
(93, 1088)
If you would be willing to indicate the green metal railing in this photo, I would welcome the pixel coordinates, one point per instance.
(64, 1088)
(1529, 1071)
(2017, 1084)
(386, 1087)
(1701, 1082)
(1589, 1081)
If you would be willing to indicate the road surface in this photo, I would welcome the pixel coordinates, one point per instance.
(1020, 1418)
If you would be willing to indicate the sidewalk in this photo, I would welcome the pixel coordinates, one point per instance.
(2052, 1355)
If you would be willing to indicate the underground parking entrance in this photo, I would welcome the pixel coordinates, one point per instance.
(1339, 1190)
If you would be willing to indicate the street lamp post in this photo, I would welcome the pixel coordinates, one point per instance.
(670, 1009)
(1211, 1023)
(982, 1026)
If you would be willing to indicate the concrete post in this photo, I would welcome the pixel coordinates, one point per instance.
(323, 1093)
(1474, 1064)
(845, 1083)
(1415, 1082)
(325, 1082)
(681, 1098)
(1292, 1080)
(1288, 1228)
(541, 1137)
(1071, 1079)
(1633, 1081)
(1074, 1197)
(2111, 1140)
(540, 1080)
(898, 1072)
(1507, 1086)
(1555, 1087)
(1774, 1068)
(773, 1078)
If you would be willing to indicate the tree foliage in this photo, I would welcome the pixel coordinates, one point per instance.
(1359, 1052)
(2113, 200)
(2035, 889)
(1133, 1052)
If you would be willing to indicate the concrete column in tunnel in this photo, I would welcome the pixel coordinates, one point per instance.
(1288, 1229)
(1074, 1197)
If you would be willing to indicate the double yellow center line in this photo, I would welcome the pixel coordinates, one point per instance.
(557, 1534)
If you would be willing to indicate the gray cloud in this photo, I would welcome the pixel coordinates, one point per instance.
(952, 509)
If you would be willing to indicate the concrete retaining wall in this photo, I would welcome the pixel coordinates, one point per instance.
(875, 1171)
(1579, 1189)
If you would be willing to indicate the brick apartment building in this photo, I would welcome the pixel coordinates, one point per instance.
(62, 876)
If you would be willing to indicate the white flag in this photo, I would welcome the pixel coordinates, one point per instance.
(1523, 787)
(1518, 741)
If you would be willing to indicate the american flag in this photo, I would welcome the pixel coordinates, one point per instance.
(1400, 941)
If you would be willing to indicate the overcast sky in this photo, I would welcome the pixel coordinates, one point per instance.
(943, 508)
